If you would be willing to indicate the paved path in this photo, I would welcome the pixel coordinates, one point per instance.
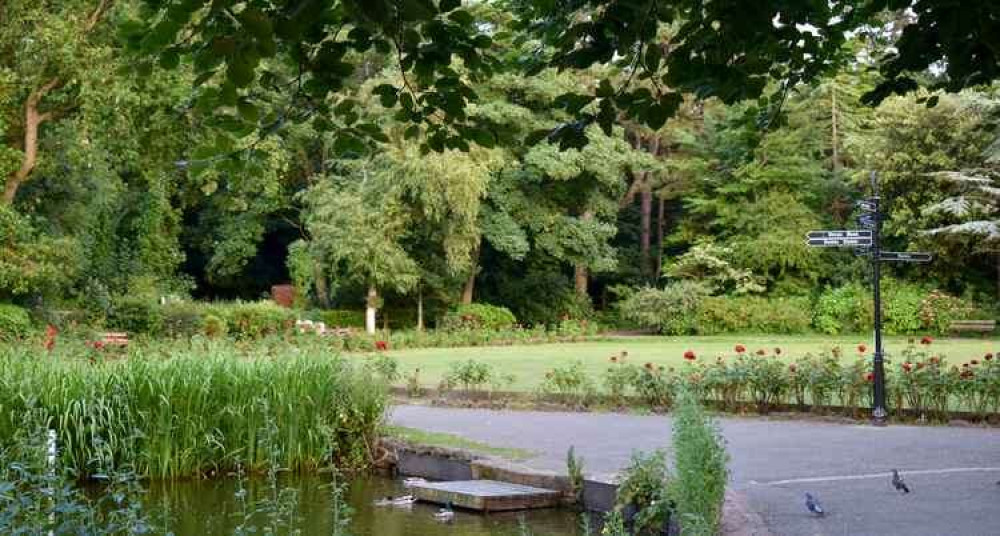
(953, 471)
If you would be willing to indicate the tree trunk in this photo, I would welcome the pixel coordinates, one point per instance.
(836, 136)
(370, 310)
(580, 272)
(660, 228)
(645, 224)
(420, 308)
(33, 118)
(470, 284)
(322, 290)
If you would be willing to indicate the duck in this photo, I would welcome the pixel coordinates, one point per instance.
(413, 481)
(385, 501)
(446, 514)
(405, 500)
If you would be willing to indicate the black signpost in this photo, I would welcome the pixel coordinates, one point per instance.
(867, 241)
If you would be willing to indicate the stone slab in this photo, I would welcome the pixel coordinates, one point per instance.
(433, 467)
(487, 495)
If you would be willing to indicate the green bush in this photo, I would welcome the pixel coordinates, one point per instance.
(214, 327)
(253, 320)
(699, 486)
(938, 310)
(569, 383)
(847, 309)
(752, 314)
(183, 319)
(342, 318)
(14, 322)
(478, 316)
(670, 310)
(135, 316)
(644, 490)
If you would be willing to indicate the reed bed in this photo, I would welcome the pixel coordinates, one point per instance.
(193, 408)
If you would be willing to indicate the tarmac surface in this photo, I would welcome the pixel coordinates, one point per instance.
(953, 472)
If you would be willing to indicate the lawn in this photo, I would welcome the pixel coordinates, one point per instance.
(529, 363)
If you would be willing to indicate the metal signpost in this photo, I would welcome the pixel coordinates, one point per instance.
(867, 241)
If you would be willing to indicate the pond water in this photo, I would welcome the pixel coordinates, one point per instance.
(210, 507)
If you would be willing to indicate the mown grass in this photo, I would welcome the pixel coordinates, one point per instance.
(182, 409)
(528, 364)
(438, 439)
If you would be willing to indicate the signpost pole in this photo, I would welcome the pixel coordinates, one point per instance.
(879, 413)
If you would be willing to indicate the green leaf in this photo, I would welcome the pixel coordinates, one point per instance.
(605, 89)
(257, 23)
(170, 59)
(248, 111)
(462, 17)
(239, 72)
(448, 5)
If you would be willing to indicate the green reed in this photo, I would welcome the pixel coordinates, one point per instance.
(181, 409)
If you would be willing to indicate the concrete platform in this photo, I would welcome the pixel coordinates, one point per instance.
(486, 495)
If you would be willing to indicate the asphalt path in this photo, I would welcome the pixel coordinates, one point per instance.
(953, 472)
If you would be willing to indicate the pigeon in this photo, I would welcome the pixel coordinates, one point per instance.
(897, 482)
(812, 504)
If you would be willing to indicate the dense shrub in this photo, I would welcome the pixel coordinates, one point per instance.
(472, 375)
(135, 315)
(670, 310)
(183, 319)
(906, 309)
(250, 320)
(478, 316)
(752, 314)
(14, 322)
(570, 383)
(699, 485)
(342, 318)
(643, 494)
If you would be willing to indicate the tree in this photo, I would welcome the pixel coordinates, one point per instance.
(716, 51)
(44, 74)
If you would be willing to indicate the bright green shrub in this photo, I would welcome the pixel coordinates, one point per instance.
(645, 488)
(478, 316)
(251, 320)
(183, 319)
(135, 315)
(472, 375)
(699, 485)
(569, 383)
(901, 307)
(342, 318)
(847, 309)
(752, 314)
(670, 310)
(14, 322)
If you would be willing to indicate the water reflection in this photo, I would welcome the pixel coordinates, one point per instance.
(210, 508)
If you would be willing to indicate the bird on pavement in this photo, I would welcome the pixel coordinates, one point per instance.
(812, 504)
(897, 482)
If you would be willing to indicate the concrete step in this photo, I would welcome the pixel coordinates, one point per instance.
(486, 495)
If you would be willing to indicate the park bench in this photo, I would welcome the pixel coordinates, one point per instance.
(977, 326)
(114, 338)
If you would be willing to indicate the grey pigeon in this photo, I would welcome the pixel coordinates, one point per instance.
(812, 503)
(897, 482)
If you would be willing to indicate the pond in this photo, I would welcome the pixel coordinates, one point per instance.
(211, 507)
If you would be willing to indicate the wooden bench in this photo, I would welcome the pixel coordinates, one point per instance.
(115, 338)
(976, 326)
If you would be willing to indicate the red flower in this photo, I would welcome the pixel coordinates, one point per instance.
(649, 366)
(613, 359)
(51, 331)
(869, 377)
(862, 348)
(934, 360)
(740, 348)
(907, 366)
(988, 357)
(920, 365)
(792, 368)
(777, 351)
(974, 362)
(966, 374)
(689, 355)
(49, 344)
(381, 345)
(762, 352)
(98, 345)
(926, 339)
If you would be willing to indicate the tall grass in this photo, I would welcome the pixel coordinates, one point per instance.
(190, 408)
(699, 487)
